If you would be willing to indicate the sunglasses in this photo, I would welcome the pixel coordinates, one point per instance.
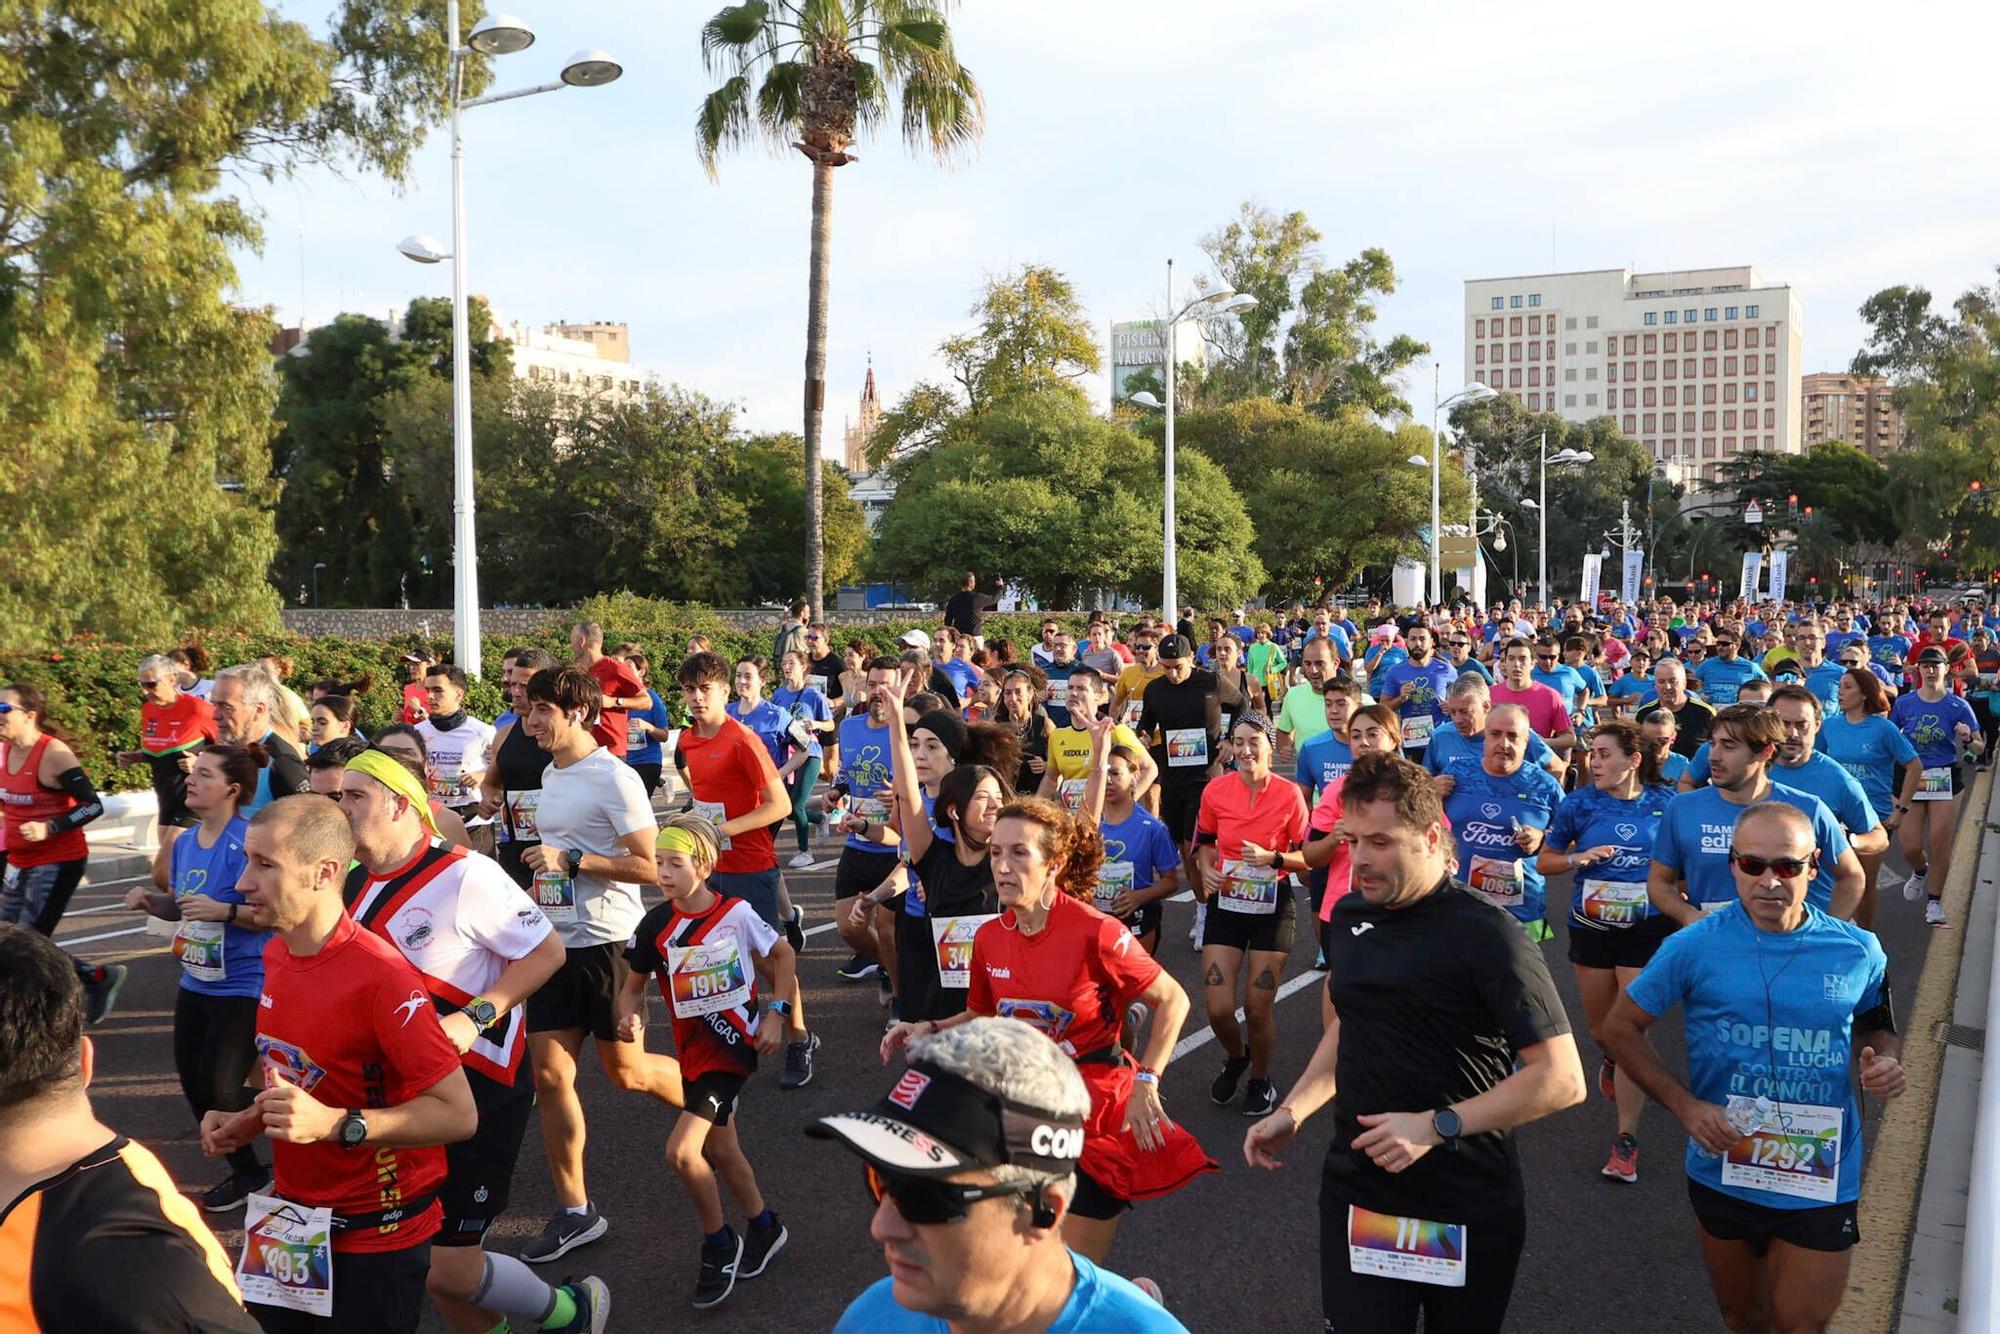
(1850, 662)
(6, 707)
(1545, 657)
(1786, 867)
(922, 1200)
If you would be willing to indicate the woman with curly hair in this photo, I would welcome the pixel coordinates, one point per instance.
(1055, 962)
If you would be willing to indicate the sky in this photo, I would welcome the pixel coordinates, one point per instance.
(1838, 148)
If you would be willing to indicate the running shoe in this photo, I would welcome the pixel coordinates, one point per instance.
(1200, 920)
(593, 1307)
(1319, 961)
(799, 1062)
(718, 1271)
(1915, 887)
(1259, 1098)
(1607, 1083)
(566, 1231)
(1934, 913)
(885, 995)
(759, 1245)
(801, 862)
(230, 1192)
(795, 930)
(100, 996)
(1623, 1165)
(857, 969)
(1224, 1087)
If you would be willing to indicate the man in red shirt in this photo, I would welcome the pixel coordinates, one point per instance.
(623, 690)
(362, 1087)
(733, 783)
(171, 725)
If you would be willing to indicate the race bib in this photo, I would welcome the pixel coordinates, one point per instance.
(287, 1256)
(1059, 693)
(1417, 731)
(1787, 1148)
(198, 945)
(816, 683)
(1935, 785)
(707, 978)
(1133, 708)
(1187, 748)
(1500, 880)
(1113, 879)
(1612, 902)
(555, 895)
(872, 809)
(952, 936)
(712, 812)
(521, 811)
(1415, 1250)
(636, 734)
(1248, 888)
(1069, 792)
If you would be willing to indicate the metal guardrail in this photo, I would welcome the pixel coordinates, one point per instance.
(1979, 1274)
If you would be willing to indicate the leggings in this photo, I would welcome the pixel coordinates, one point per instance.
(215, 1049)
(803, 781)
(37, 897)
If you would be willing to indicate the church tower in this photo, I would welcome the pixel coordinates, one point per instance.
(855, 453)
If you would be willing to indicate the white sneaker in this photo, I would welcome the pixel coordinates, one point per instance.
(1200, 920)
(801, 862)
(1934, 912)
(1915, 887)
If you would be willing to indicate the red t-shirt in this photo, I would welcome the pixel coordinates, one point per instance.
(1275, 818)
(1072, 979)
(1548, 714)
(730, 769)
(618, 681)
(186, 721)
(416, 703)
(353, 1026)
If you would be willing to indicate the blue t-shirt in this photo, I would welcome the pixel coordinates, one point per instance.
(1448, 746)
(1695, 837)
(1592, 818)
(1930, 727)
(1143, 840)
(1770, 1027)
(214, 871)
(648, 752)
(767, 721)
(1722, 682)
(1566, 681)
(1873, 751)
(961, 674)
(1836, 640)
(1635, 691)
(1100, 1301)
(1824, 682)
(1697, 767)
(804, 705)
(1482, 809)
(1474, 667)
(864, 767)
(1379, 673)
(1342, 639)
(1674, 767)
(1823, 776)
(1321, 761)
(1889, 649)
(1426, 685)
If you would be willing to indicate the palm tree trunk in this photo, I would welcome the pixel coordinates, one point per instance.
(817, 285)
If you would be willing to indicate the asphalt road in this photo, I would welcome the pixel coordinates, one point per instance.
(1237, 1250)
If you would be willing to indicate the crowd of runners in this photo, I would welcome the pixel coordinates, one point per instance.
(395, 949)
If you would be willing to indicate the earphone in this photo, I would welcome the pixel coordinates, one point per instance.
(1044, 1213)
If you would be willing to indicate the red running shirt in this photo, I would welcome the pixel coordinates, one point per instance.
(23, 800)
(731, 769)
(353, 1026)
(186, 721)
(618, 681)
(706, 967)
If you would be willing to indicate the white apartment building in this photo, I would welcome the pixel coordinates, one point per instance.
(576, 359)
(1699, 365)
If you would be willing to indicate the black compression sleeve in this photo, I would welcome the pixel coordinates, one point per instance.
(88, 806)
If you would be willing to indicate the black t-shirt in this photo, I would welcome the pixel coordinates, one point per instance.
(288, 768)
(1691, 723)
(1434, 1001)
(965, 610)
(1186, 707)
(831, 666)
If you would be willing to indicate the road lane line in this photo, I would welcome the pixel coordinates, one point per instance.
(1195, 1041)
(106, 935)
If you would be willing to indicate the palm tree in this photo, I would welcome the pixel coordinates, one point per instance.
(823, 70)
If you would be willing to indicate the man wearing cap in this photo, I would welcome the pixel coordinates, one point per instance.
(416, 696)
(482, 951)
(1180, 720)
(917, 655)
(971, 1160)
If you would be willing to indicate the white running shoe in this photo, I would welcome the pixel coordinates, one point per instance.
(800, 862)
(1200, 921)
(1934, 912)
(1915, 887)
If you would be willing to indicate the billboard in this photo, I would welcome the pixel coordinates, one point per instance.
(1141, 345)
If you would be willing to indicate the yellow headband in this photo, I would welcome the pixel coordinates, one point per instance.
(675, 839)
(390, 773)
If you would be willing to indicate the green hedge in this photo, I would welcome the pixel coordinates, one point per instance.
(94, 695)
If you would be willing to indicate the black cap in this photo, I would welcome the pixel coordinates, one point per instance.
(935, 1123)
(1931, 653)
(1175, 646)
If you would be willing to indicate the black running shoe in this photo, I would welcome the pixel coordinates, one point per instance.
(1224, 1087)
(100, 996)
(798, 1061)
(1259, 1098)
(795, 930)
(857, 969)
(718, 1271)
(759, 1245)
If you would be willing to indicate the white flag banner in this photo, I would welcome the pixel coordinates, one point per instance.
(1780, 567)
(1635, 567)
(1593, 568)
(1753, 565)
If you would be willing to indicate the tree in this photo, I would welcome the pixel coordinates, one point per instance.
(824, 72)
(769, 556)
(135, 415)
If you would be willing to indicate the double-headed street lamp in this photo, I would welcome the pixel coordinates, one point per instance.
(495, 35)
(1560, 458)
(1223, 300)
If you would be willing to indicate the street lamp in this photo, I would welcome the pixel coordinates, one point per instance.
(318, 565)
(1474, 392)
(1223, 300)
(1559, 458)
(494, 35)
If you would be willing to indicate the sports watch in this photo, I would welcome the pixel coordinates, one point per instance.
(352, 1130)
(1448, 1127)
(481, 1012)
(573, 861)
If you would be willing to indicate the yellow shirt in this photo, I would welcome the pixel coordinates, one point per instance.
(1069, 749)
(1132, 681)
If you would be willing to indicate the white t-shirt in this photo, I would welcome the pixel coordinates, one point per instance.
(591, 805)
(456, 757)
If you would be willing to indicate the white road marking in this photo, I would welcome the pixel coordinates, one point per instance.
(106, 935)
(1195, 1041)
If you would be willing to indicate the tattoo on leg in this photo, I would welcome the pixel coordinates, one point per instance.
(1266, 981)
(1213, 977)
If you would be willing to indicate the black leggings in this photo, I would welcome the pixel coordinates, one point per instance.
(215, 1049)
(38, 896)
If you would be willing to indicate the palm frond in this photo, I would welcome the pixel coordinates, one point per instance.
(908, 45)
(723, 121)
(871, 96)
(943, 110)
(732, 36)
(824, 21)
(781, 102)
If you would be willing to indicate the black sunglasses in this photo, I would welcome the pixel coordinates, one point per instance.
(924, 1200)
(1786, 867)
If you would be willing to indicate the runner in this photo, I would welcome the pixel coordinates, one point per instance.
(1450, 1033)
(1236, 693)
(461, 923)
(45, 801)
(93, 1235)
(1942, 729)
(1984, 687)
(1783, 1004)
(1722, 675)
(1603, 835)
(511, 788)
(1303, 714)
(172, 726)
(1548, 711)
(1458, 654)
(1142, 865)
(1416, 688)
(596, 853)
(619, 688)
(1468, 702)
(791, 631)
(868, 857)
(1266, 661)
(1181, 721)
(407, 745)
(416, 695)
(1500, 808)
(333, 717)
(244, 700)
(1002, 1112)
(1692, 716)
(809, 724)
(1372, 730)
(696, 946)
(1247, 833)
(1067, 757)
(1019, 709)
(457, 745)
(646, 729)
(1874, 751)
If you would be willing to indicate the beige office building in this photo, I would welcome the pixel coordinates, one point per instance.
(1700, 365)
(1858, 409)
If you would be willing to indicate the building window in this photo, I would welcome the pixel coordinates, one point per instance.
(1749, 393)
(1631, 424)
(1708, 421)
(1534, 402)
(1648, 424)
(1750, 312)
(1750, 337)
(1631, 398)
(1479, 328)
(1652, 344)
(1549, 347)
(1590, 373)
(1569, 349)
(1514, 302)
(1687, 367)
(1590, 400)
(1499, 352)
(1729, 420)
(1534, 324)
(1514, 378)
(1569, 373)
(1687, 422)
(1729, 312)
(1729, 365)
(1708, 393)
(1708, 365)
(1590, 321)
(1649, 398)
(1652, 317)
(1514, 352)
(1569, 322)
(1611, 371)
(1708, 313)
(1651, 370)
(1672, 396)
(1534, 377)
(1514, 326)
(1671, 316)
(1569, 400)
(1770, 420)
(1534, 298)
(1631, 345)
(1708, 340)
(1479, 355)
(1770, 364)
(1687, 317)
(1728, 338)
(1590, 347)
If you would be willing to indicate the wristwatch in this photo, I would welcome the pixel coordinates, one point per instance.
(352, 1130)
(481, 1012)
(1448, 1127)
(572, 861)
(783, 1009)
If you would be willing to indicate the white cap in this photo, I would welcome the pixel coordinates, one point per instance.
(917, 639)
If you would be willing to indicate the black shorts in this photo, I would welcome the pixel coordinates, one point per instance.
(1091, 1200)
(859, 872)
(712, 1096)
(583, 993)
(1251, 931)
(649, 774)
(1823, 1227)
(1617, 946)
(1147, 920)
(376, 1292)
(1180, 807)
(478, 1171)
(1372, 1304)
